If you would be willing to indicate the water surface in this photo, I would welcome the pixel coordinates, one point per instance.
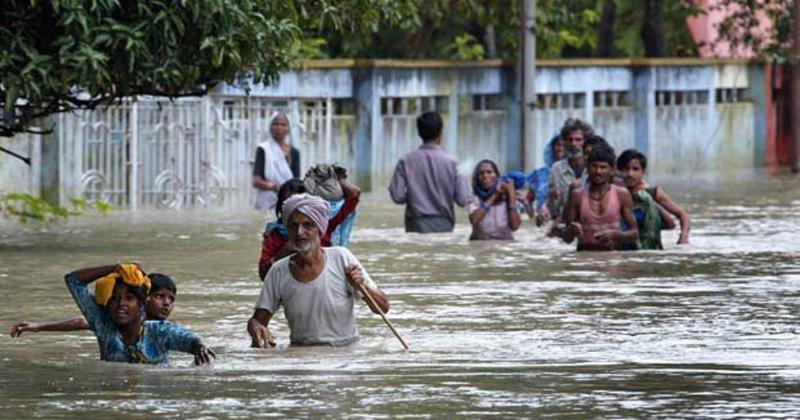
(525, 328)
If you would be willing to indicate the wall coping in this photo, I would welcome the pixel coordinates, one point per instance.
(494, 63)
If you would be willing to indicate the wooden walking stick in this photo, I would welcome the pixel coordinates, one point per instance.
(373, 305)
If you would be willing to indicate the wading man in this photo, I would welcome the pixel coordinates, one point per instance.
(593, 213)
(564, 172)
(427, 181)
(316, 286)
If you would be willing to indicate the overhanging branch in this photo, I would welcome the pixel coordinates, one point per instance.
(27, 160)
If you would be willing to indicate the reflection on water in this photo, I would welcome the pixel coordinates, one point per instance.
(496, 329)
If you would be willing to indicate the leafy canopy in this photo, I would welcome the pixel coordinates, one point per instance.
(60, 55)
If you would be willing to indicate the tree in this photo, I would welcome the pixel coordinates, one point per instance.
(655, 42)
(62, 55)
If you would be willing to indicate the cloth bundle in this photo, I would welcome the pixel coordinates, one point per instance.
(517, 176)
(322, 180)
(130, 275)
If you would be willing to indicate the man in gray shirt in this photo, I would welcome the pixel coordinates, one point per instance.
(427, 181)
(316, 286)
(570, 169)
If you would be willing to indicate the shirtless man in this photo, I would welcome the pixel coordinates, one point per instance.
(593, 213)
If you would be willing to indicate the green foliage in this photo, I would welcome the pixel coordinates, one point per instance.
(429, 29)
(465, 47)
(60, 55)
(564, 24)
(25, 207)
(456, 28)
(742, 27)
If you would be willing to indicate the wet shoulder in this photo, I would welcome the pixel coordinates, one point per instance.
(161, 328)
(340, 257)
(279, 270)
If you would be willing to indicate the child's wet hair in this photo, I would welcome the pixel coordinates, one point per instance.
(160, 281)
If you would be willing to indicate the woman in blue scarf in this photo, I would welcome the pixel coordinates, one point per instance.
(495, 205)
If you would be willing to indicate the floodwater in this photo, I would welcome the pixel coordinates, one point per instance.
(526, 329)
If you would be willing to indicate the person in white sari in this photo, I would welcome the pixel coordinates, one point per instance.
(277, 161)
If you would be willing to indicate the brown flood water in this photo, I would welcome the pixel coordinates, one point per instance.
(527, 328)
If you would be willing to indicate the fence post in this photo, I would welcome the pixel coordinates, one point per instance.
(452, 116)
(328, 128)
(644, 104)
(133, 158)
(49, 163)
(368, 124)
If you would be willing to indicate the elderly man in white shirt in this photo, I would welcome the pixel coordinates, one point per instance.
(316, 286)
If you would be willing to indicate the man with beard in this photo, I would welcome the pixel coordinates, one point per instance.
(316, 286)
(593, 213)
(564, 172)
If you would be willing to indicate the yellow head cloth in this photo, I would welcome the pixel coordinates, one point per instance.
(130, 275)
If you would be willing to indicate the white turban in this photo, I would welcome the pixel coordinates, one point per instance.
(312, 206)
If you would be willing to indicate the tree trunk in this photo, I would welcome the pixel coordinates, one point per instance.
(490, 42)
(655, 41)
(795, 104)
(605, 31)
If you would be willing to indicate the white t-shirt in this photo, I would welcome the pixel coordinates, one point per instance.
(320, 311)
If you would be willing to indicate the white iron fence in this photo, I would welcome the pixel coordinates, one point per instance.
(188, 152)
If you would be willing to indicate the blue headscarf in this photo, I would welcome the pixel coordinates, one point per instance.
(538, 179)
(479, 192)
(517, 176)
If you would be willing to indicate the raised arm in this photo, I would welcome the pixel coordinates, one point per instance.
(352, 195)
(73, 324)
(478, 213)
(514, 219)
(682, 215)
(96, 316)
(88, 275)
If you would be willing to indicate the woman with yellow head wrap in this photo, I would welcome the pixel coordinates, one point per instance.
(117, 318)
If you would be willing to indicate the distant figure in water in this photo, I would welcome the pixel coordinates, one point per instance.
(427, 181)
(494, 208)
(651, 205)
(593, 213)
(316, 286)
(158, 306)
(568, 170)
(115, 314)
(538, 181)
(277, 161)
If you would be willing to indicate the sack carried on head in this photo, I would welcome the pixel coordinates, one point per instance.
(322, 180)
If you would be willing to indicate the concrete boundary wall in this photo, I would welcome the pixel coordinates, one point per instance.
(687, 115)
